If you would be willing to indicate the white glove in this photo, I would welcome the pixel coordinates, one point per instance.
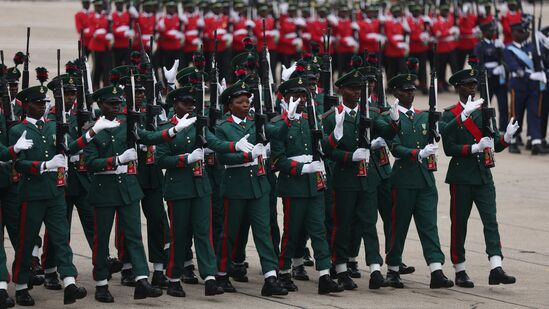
(127, 156)
(542, 39)
(471, 106)
(300, 21)
(161, 25)
(197, 41)
(332, 19)
(313, 167)
(177, 34)
(499, 43)
(355, 26)
(196, 155)
(361, 154)
(402, 45)
(287, 72)
(292, 107)
(275, 33)
(430, 149)
(538, 76)
(258, 150)
(499, 70)
(22, 143)
(378, 143)
(133, 12)
(129, 33)
(200, 23)
(394, 112)
(250, 23)
(484, 143)
(171, 74)
(243, 145)
(122, 28)
(56, 162)
(109, 37)
(476, 32)
(298, 43)
(512, 128)
(184, 123)
(228, 38)
(454, 31)
(103, 123)
(350, 41)
(424, 37)
(427, 19)
(466, 7)
(268, 149)
(339, 119)
(99, 31)
(208, 151)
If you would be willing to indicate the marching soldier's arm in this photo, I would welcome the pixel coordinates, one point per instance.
(281, 161)
(330, 144)
(218, 145)
(231, 158)
(77, 144)
(154, 137)
(499, 141)
(385, 127)
(96, 164)
(167, 159)
(23, 165)
(402, 152)
(7, 153)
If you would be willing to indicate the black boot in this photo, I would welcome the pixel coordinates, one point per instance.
(439, 280)
(538, 149)
(333, 273)
(36, 267)
(287, 283)
(463, 280)
(345, 280)
(23, 298)
(159, 280)
(327, 285)
(114, 265)
(188, 276)
(7, 299)
(103, 295)
(393, 278)
(51, 281)
(307, 259)
(175, 289)
(35, 280)
(513, 148)
(299, 273)
(3, 304)
(528, 144)
(377, 281)
(72, 293)
(497, 276)
(352, 268)
(273, 287)
(144, 289)
(225, 283)
(403, 269)
(211, 288)
(239, 273)
(127, 278)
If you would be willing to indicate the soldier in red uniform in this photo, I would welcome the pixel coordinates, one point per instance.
(317, 27)
(419, 42)
(468, 31)
(171, 38)
(216, 20)
(513, 16)
(194, 26)
(146, 21)
(397, 47)
(123, 32)
(445, 34)
(272, 35)
(100, 46)
(347, 43)
(370, 34)
(290, 42)
(242, 27)
(81, 19)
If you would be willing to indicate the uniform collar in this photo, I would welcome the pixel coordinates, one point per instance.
(238, 120)
(348, 110)
(403, 109)
(33, 121)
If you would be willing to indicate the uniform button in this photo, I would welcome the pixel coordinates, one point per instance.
(119, 181)
(116, 153)
(418, 147)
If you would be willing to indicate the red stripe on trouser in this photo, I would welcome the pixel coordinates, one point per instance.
(393, 217)
(95, 241)
(224, 245)
(453, 241)
(45, 249)
(334, 229)
(116, 233)
(19, 255)
(211, 231)
(169, 269)
(286, 201)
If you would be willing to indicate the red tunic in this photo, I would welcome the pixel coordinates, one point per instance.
(467, 39)
(147, 23)
(120, 24)
(395, 34)
(168, 40)
(507, 20)
(441, 31)
(369, 43)
(417, 27)
(98, 41)
(82, 22)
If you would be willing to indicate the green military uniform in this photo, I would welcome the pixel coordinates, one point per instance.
(42, 199)
(116, 192)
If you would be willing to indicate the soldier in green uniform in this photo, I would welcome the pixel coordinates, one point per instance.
(42, 196)
(414, 192)
(188, 194)
(469, 177)
(251, 200)
(115, 189)
(301, 184)
(354, 194)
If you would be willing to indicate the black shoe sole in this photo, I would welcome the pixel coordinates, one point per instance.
(497, 282)
(104, 300)
(190, 281)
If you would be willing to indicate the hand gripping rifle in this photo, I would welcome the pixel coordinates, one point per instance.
(61, 124)
(132, 118)
(267, 75)
(201, 123)
(25, 83)
(260, 119)
(214, 112)
(434, 115)
(365, 123)
(326, 74)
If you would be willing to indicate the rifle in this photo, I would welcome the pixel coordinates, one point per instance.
(61, 124)
(132, 119)
(86, 87)
(488, 113)
(434, 115)
(260, 119)
(25, 83)
(316, 138)
(9, 115)
(364, 125)
(326, 74)
(201, 120)
(267, 75)
(214, 112)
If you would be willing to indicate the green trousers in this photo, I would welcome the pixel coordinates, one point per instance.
(4, 276)
(216, 175)
(194, 217)
(304, 214)
(257, 212)
(129, 219)
(422, 205)
(52, 212)
(355, 212)
(461, 203)
(158, 227)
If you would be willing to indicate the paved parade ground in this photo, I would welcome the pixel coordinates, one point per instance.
(522, 184)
